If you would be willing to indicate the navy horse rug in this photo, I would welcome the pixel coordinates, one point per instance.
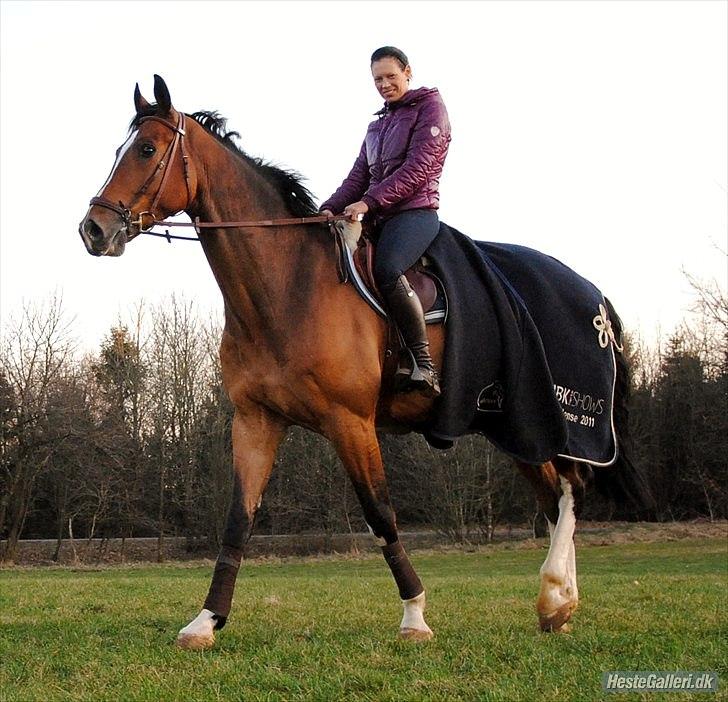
(529, 354)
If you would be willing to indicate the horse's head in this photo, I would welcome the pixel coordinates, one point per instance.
(151, 177)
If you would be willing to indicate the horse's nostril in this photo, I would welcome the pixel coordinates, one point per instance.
(94, 231)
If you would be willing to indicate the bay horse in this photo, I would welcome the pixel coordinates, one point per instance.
(298, 347)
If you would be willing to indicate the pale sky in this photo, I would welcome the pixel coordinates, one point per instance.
(593, 131)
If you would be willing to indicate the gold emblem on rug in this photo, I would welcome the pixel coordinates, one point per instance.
(603, 325)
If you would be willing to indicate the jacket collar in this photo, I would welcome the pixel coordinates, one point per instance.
(409, 98)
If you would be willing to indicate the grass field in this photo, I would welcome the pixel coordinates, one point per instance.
(325, 629)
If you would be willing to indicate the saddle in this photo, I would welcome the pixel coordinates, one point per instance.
(357, 254)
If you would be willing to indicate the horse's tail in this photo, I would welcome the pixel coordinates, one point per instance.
(624, 482)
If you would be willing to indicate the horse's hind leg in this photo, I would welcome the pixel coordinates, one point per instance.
(558, 487)
(256, 436)
(356, 443)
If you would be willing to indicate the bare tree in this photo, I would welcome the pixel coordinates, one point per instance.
(309, 490)
(458, 492)
(34, 355)
(214, 447)
(712, 300)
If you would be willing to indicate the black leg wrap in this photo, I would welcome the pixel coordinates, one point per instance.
(404, 574)
(220, 596)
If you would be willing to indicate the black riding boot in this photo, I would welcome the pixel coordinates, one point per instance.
(405, 308)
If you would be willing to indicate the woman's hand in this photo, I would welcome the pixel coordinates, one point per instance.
(327, 213)
(356, 211)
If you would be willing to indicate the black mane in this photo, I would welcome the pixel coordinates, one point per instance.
(297, 197)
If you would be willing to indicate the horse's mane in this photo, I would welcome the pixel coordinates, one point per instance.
(297, 196)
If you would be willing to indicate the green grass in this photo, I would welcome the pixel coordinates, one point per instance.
(325, 630)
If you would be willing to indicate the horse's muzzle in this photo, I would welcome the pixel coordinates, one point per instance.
(103, 238)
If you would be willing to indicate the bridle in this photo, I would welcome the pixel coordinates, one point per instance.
(126, 212)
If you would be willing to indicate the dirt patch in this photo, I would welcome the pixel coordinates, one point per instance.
(647, 532)
(100, 553)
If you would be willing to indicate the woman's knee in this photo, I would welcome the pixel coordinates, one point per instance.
(386, 273)
(402, 240)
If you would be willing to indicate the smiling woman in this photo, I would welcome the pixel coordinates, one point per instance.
(394, 187)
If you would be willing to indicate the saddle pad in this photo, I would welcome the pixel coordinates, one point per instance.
(525, 362)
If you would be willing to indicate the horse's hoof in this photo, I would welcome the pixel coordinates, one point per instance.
(557, 620)
(195, 642)
(417, 635)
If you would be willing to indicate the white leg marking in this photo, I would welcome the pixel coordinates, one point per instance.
(199, 633)
(413, 625)
(570, 562)
(558, 595)
(571, 570)
(561, 535)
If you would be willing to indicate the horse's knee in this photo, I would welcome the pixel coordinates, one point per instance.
(379, 515)
(386, 274)
(241, 517)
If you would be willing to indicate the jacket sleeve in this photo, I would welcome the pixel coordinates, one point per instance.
(353, 187)
(425, 156)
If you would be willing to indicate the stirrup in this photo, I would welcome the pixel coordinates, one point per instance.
(416, 378)
(404, 372)
(426, 382)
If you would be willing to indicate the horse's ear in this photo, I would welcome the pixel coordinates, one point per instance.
(139, 102)
(161, 93)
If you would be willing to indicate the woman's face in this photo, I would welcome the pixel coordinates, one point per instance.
(390, 79)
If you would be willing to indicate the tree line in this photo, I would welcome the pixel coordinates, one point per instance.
(134, 439)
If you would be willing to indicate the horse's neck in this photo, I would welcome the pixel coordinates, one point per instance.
(267, 274)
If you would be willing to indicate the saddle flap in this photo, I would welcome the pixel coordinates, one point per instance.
(421, 281)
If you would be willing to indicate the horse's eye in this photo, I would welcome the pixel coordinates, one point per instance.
(147, 150)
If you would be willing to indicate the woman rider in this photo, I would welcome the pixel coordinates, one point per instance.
(394, 184)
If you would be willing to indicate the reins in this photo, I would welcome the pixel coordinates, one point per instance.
(198, 226)
(178, 142)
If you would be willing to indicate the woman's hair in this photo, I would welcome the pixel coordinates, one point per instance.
(390, 52)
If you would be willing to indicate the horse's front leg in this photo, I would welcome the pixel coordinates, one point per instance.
(256, 436)
(356, 443)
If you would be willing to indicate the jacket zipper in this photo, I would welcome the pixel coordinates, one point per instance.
(382, 132)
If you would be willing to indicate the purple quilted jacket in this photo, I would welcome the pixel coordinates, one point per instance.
(401, 159)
